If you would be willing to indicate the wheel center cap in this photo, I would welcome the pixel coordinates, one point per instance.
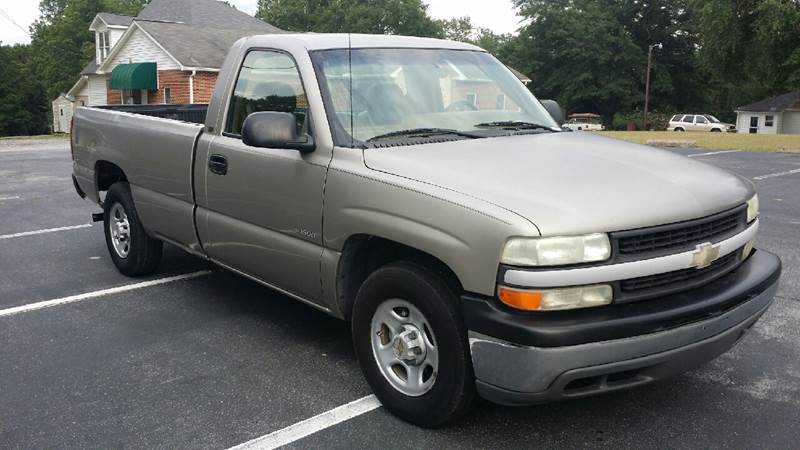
(409, 346)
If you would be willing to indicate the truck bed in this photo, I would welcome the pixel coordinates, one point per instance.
(155, 153)
(192, 113)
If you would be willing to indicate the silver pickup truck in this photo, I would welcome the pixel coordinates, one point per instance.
(417, 189)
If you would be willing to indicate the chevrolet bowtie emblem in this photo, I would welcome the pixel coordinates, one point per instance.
(704, 255)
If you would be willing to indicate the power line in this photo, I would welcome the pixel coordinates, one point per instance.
(5, 14)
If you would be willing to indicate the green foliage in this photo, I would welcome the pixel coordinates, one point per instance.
(580, 53)
(61, 45)
(23, 107)
(457, 29)
(407, 17)
(748, 49)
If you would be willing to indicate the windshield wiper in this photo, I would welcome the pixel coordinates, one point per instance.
(424, 132)
(515, 125)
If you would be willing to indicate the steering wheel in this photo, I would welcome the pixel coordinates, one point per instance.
(461, 105)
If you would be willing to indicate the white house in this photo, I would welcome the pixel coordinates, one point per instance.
(776, 115)
(90, 89)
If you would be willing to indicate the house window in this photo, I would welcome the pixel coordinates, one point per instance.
(104, 44)
(167, 96)
(472, 99)
(769, 120)
(501, 102)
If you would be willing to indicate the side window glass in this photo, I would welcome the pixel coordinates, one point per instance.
(701, 119)
(688, 119)
(268, 81)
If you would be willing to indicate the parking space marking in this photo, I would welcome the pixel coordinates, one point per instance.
(13, 197)
(777, 174)
(713, 153)
(48, 230)
(312, 425)
(101, 293)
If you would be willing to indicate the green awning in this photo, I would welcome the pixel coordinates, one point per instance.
(134, 76)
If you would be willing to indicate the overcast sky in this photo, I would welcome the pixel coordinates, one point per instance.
(497, 15)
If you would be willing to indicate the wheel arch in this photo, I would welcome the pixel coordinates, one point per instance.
(106, 173)
(362, 254)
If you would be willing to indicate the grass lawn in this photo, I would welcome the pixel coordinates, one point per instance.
(711, 141)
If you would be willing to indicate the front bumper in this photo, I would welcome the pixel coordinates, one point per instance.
(528, 359)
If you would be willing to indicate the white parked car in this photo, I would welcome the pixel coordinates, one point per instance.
(584, 121)
(699, 122)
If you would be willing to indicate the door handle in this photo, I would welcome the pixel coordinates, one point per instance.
(218, 164)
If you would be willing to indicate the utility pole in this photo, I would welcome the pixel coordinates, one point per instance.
(647, 78)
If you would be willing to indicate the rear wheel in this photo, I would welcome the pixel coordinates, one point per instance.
(132, 250)
(679, 129)
(412, 344)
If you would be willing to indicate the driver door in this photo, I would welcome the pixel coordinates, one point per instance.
(260, 209)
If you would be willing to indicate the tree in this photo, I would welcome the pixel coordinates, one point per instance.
(748, 49)
(457, 29)
(579, 53)
(408, 17)
(23, 107)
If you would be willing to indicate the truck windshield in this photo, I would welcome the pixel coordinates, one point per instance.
(376, 93)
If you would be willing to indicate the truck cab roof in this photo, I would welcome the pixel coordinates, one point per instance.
(319, 41)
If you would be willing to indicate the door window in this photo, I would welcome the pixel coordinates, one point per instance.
(688, 119)
(268, 81)
(701, 119)
(753, 124)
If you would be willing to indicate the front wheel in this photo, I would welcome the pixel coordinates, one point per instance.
(679, 129)
(412, 344)
(132, 250)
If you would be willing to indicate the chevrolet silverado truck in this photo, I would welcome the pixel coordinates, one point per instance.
(417, 189)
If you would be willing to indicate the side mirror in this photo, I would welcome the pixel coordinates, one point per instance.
(271, 129)
(555, 111)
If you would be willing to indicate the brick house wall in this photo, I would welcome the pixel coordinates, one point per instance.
(178, 83)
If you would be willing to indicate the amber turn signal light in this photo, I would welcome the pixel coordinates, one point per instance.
(527, 300)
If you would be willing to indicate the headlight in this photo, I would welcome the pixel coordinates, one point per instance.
(556, 299)
(556, 251)
(752, 209)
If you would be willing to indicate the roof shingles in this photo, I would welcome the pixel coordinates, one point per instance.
(790, 100)
(198, 33)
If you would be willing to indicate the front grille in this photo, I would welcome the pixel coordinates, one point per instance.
(679, 280)
(679, 236)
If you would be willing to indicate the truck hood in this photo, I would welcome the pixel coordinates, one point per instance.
(570, 183)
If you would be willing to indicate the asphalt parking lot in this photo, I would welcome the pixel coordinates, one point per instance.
(212, 360)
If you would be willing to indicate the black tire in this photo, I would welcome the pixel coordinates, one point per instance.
(453, 389)
(679, 129)
(144, 252)
(716, 130)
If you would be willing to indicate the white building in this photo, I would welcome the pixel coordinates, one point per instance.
(776, 115)
(90, 89)
(62, 113)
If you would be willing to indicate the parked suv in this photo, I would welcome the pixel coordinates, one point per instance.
(699, 122)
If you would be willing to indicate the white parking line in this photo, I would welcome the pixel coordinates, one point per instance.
(96, 294)
(48, 230)
(777, 174)
(13, 197)
(312, 425)
(714, 153)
